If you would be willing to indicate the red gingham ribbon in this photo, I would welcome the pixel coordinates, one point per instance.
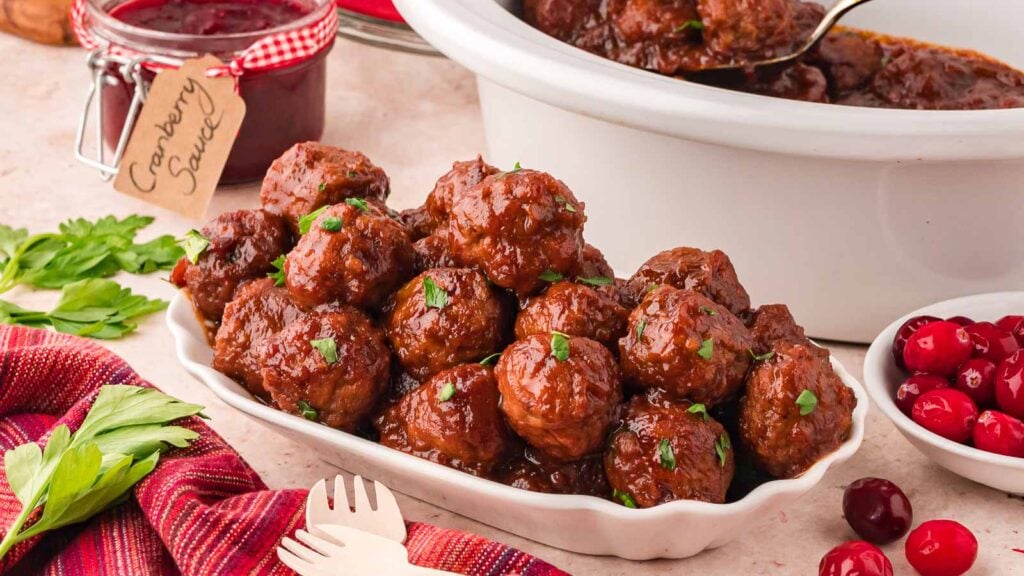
(275, 51)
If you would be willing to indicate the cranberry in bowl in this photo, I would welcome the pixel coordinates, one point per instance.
(987, 452)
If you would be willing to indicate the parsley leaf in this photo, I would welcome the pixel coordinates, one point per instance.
(641, 326)
(568, 206)
(359, 203)
(446, 392)
(491, 360)
(194, 244)
(689, 25)
(550, 276)
(807, 402)
(434, 295)
(306, 222)
(327, 347)
(625, 498)
(331, 224)
(322, 187)
(709, 311)
(699, 409)
(307, 411)
(597, 281)
(560, 346)
(707, 349)
(722, 447)
(760, 357)
(666, 456)
(278, 273)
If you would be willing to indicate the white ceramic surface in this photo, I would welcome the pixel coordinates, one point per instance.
(576, 523)
(882, 378)
(816, 204)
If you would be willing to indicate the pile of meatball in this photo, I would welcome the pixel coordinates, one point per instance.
(480, 331)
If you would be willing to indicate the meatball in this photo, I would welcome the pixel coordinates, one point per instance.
(516, 226)
(258, 310)
(533, 471)
(311, 175)
(773, 323)
(559, 393)
(460, 179)
(242, 245)
(752, 29)
(360, 261)
(574, 309)
(798, 82)
(850, 59)
(559, 18)
(452, 419)
(796, 410)
(445, 317)
(330, 367)
(433, 251)
(593, 264)
(665, 452)
(418, 222)
(710, 273)
(686, 344)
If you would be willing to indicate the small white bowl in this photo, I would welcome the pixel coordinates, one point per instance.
(582, 524)
(882, 377)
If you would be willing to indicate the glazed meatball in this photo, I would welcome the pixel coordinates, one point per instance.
(850, 59)
(258, 310)
(798, 82)
(559, 393)
(786, 437)
(434, 251)
(445, 317)
(311, 175)
(773, 323)
(516, 226)
(452, 419)
(709, 273)
(686, 344)
(593, 264)
(242, 245)
(460, 179)
(664, 452)
(574, 309)
(535, 472)
(418, 222)
(360, 260)
(753, 29)
(330, 367)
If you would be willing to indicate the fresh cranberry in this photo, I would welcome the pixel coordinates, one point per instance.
(977, 379)
(941, 548)
(1010, 385)
(948, 412)
(1014, 325)
(937, 348)
(961, 320)
(877, 510)
(999, 433)
(855, 558)
(913, 387)
(992, 342)
(906, 330)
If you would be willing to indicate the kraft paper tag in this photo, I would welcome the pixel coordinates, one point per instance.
(182, 138)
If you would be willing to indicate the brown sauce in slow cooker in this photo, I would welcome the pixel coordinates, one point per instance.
(852, 67)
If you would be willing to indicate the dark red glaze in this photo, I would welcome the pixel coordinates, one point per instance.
(948, 412)
(992, 342)
(708, 273)
(961, 320)
(904, 333)
(941, 548)
(208, 17)
(577, 310)
(1014, 325)
(1010, 385)
(937, 348)
(855, 558)
(977, 378)
(999, 433)
(877, 510)
(913, 387)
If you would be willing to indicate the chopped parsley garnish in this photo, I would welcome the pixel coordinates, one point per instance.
(359, 203)
(598, 281)
(352, 174)
(560, 346)
(666, 456)
(708, 311)
(306, 221)
(640, 327)
(722, 447)
(652, 287)
(278, 274)
(625, 498)
(446, 392)
(689, 25)
(707, 348)
(322, 187)
(491, 360)
(569, 207)
(550, 276)
(331, 224)
(307, 411)
(434, 295)
(761, 357)
(517, 167)
(807, 402)
(194, 244)
(699, 409)
(327, 348)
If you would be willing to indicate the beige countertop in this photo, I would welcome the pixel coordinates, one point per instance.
(413, 116)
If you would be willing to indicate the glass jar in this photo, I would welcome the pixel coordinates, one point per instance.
(283, 106)
(377, 22)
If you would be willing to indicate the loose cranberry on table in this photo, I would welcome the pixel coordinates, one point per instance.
(991, 342)
(855, 558)
(937, 348)
(941, 548)
(977, 378)
(913, 387)
(877, 510)
(999, 433)
(904, 333)
(1014, 325)
(1009, 385)
(947, 412)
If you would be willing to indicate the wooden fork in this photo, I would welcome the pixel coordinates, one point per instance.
(384, 521)
(348, 552)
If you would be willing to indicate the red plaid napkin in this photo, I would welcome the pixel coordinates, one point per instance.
(203, 511)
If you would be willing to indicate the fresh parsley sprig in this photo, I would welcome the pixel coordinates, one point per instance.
(77, 476)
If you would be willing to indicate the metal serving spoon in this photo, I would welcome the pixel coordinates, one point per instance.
(831, 18)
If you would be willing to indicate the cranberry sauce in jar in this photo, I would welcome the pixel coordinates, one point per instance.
(283, 106)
